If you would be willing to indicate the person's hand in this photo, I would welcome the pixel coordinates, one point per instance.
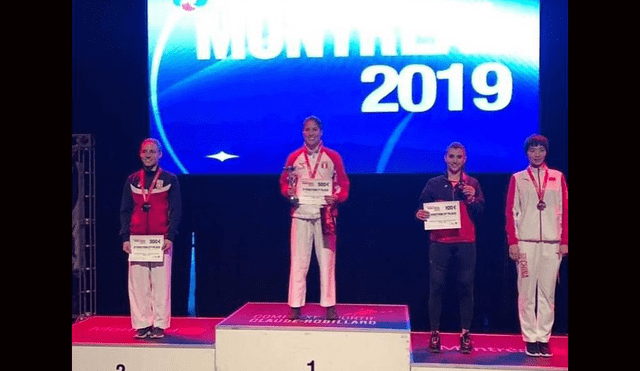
(564, 251)
(330, 200)
(514, 252)
(422, 215)
(469, 192)
(167, 244)
(291, 191)
(126, 247)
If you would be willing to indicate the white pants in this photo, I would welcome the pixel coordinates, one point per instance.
(150, 293)
(537, 274)
(305, 233)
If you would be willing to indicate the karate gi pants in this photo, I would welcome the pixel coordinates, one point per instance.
(305, 234)
(537, 277)
(150, 293)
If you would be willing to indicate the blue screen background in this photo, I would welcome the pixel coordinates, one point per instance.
(253, 108)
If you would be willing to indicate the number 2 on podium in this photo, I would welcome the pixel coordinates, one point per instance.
(312, 364)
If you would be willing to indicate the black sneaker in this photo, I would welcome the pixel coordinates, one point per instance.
(465, 343)
(544, 350)
(532, 350)
(434, 342)
(142, 333)
(157, 333)
(294, 314)
(331, 313)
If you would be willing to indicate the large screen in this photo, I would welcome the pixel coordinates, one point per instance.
(394, 82)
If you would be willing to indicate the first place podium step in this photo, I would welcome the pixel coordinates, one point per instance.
(259, 336)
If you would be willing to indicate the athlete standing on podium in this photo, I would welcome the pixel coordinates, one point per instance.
(313, 225)
(151, 205)
(457, 246)
(538, 236)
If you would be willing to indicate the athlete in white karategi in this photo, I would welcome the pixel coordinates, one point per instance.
(313, 225)
(151, 205)
(538, 238)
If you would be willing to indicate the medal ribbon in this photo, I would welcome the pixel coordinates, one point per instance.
(312, 173)
(145, 196)
(539, 190)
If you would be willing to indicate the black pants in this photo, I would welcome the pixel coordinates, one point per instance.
(441, 258)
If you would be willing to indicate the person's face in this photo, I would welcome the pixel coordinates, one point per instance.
(455, 159)
(150, 154)
(311, 133)
(536, 155)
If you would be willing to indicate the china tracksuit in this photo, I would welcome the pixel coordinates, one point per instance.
(314, 225)
(150, 283)
(538, 234)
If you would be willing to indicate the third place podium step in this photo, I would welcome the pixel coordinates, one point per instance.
(259, 336)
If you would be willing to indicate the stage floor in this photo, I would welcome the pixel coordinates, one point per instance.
(489, 351)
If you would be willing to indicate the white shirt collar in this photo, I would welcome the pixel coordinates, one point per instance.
(313, 151)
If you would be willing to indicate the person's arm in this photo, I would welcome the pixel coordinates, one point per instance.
(126, 208)
(512, 209)
(341, 179)
(564, 234)
(285, 190)
(476, 204)
(425, 196)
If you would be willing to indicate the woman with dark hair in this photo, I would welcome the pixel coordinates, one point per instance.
(538, 236)
(453, 246)
(313, 224)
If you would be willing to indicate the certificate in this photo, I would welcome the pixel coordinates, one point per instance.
(442, 215)
(146, 248)
(312, 191)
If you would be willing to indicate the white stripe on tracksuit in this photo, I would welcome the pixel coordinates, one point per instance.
(537, 271)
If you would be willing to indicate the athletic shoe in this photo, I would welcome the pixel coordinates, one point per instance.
(331, 313)
(294, 314)
(157, 333)
(434, 342)
(544, 349)
(532, 350)
(465, 343)
(142, 333)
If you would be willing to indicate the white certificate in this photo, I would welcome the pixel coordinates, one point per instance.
(442, 215)
(312, 191)
(147, 248)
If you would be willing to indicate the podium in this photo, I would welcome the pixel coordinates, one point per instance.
(107, 343)
(259, 336)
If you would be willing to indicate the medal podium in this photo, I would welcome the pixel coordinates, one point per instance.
(107, 343)
(259, 336)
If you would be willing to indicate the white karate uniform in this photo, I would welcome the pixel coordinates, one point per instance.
(150, 293)
(305, 234)
(306, 224)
